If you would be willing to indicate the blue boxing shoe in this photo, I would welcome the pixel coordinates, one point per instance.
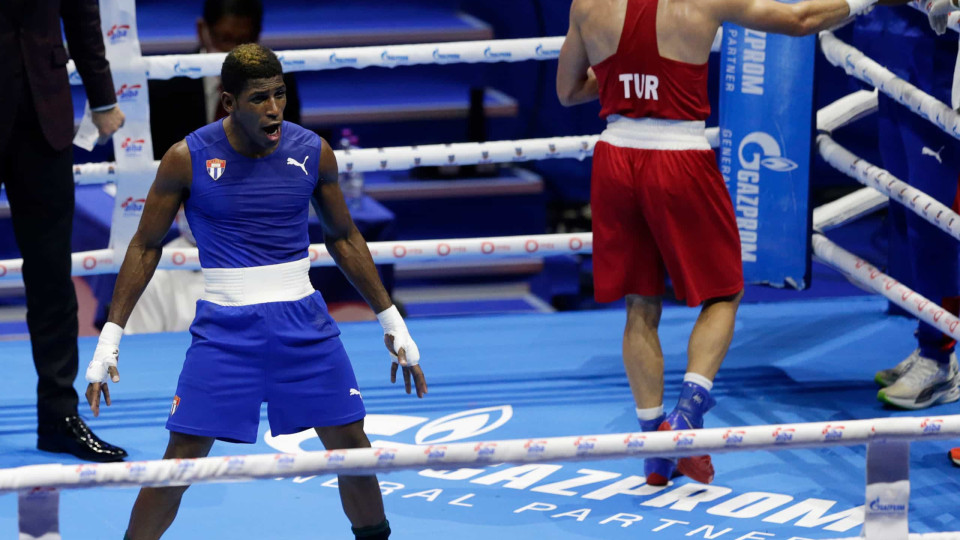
(657, 470)
(694, 402)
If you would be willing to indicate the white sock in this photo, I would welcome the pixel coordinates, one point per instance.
(698, 380)
(650, 414)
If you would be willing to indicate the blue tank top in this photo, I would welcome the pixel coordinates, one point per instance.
(251, 211)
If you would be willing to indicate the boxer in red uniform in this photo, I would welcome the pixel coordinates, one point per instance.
(659, 203)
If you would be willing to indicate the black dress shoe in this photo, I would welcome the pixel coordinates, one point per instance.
(70, 435)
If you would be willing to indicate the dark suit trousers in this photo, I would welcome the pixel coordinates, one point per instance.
(39, 183)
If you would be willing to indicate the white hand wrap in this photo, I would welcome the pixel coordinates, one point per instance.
(393, 325)
(858, 7)
(106, 354)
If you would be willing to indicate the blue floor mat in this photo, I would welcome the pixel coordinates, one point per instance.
(528, 376)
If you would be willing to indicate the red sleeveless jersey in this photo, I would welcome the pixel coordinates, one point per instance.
(637, 82)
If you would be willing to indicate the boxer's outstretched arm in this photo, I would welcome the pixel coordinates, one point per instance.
(344, 242)
(170, 188)
(800, 19)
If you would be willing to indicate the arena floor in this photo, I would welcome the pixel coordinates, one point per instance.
(527, 376)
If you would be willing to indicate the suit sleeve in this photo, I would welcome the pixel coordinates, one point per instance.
(81, 24)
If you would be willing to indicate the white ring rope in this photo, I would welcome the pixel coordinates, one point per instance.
(925, 206)
(375, 460)
(848, 208)
(102, 261)
(863, 272)
(858, 65)
(400, 158)
(457, 52)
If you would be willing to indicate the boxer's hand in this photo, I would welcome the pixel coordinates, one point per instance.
(403, 350)
(103, 366)
(401, 360)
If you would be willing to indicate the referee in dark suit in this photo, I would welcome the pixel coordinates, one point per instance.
(36, 160)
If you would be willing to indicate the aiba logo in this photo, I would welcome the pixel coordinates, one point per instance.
(284, 461)
(733, 437)
(782, 435)
(634, 442)
(485, 451)
(128, 92)
(931, 425)
(234, 463)
(333, 456)
(386, 455)
(832, 433)
(86, 473)
(118, 33)
(535, 448)
(684, 440)
(133, 147)
(132, 208)
(585, 445)
(136, 469)
(435, 453)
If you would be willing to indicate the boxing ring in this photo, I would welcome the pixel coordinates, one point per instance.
(530, 430)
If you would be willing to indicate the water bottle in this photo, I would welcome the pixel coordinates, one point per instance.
(351, 183)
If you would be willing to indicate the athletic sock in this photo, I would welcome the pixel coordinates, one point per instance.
(373, 532)
(650, 419)
(699, 380)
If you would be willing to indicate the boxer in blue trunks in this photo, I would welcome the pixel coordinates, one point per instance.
(261, 333)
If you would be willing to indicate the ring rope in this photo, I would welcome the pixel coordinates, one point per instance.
(103, 261)
(848, 208)
(868, 174)
(200, 65)
(375, 460)
(862, 67)
(865, 273)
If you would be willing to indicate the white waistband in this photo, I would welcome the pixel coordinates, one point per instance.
(655, 133)
(284, 282)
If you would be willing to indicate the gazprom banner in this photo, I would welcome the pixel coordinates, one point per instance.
(766, 117)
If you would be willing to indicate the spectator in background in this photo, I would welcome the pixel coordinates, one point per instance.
(36, 167)
(181, 105)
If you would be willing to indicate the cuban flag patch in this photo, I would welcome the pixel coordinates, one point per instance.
(215, 168)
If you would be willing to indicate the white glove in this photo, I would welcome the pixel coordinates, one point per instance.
(938, 11)
(105, 355)
(393, 325)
